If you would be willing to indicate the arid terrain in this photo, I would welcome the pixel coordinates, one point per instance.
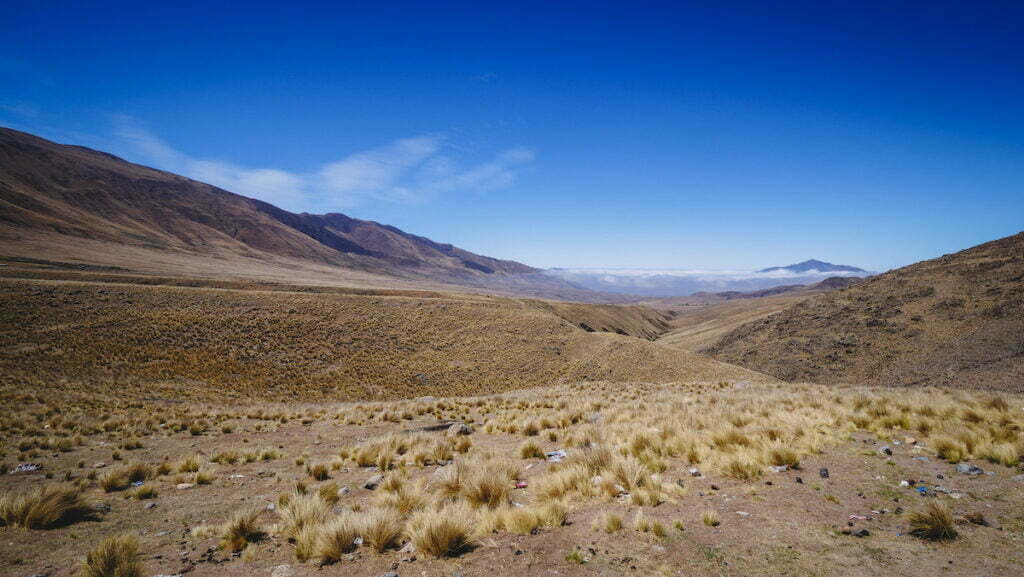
(200, 384)
(957, 320)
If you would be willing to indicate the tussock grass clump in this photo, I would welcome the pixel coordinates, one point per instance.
(608, 522)
(113, 557)
(481, 482)
(446, 531)
(122, 478)
(710, 518)
(241, 530)
(933, 521)
(382, 528)
(742, 466)
(531, 450)
(300, 511)
(333, 539)
(189, 464)
(319, 472)
(51, 506)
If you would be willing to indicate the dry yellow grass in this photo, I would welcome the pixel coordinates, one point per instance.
(114, 557)
(44, 508)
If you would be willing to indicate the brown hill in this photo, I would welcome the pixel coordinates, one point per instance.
(72, 204)
(97, 338)
(956, 320)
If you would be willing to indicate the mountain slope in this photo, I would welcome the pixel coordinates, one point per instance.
(53, 194)
(956, 320)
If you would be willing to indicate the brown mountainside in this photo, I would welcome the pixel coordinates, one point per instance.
(59, 199)
(956, 320)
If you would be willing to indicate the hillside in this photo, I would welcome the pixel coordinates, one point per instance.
(197, 342)
(72, 204)
(956, 320)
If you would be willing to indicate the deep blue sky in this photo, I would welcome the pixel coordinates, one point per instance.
(638, 135)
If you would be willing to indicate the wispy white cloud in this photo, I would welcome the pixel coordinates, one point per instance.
(409, 170)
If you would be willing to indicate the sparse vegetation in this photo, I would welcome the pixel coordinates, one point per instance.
(932, 521)
(114, 557)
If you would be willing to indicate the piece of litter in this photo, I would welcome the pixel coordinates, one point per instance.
(556, 456)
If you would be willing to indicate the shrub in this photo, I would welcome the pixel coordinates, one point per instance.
(113, 557)
(933, 521)
(51, 506)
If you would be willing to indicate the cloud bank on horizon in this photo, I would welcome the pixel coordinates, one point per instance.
(409, 170)
(682, 282)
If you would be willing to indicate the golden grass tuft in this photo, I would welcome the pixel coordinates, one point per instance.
(45, 508)
(446, 531)
(241, 530)
(933, 521)
(113, 557)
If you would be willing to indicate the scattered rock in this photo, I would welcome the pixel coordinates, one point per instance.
(823, 472)
(390, 574)
(27, 468)
(886, 450)
(800, 480)
(968, 469)
(694, 472)
(861, 533)
(456, 429)
(99, 465)
(778, 468)
(282, 571)
(184, 485)
(373, 482)
(150, 505)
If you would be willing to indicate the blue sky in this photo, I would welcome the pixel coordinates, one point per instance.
(640, 135)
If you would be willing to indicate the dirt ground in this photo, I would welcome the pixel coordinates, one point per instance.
(783, 523)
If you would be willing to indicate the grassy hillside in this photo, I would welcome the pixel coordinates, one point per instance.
(696, 327)
(205, 343)
(956, 320)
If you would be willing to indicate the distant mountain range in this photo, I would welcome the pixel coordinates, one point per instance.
(73, 205)
(669, 283)
(815, 265)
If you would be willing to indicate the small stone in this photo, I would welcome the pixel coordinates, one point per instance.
(457, 429)
(800, 480)
(282, 571)
(885, 450)
(373, 482)
(99, 465)
(184, 486)
(967, 469)
(861, 533)
(694, 472)
(823, 472)
(390, 574)
(150, 506)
